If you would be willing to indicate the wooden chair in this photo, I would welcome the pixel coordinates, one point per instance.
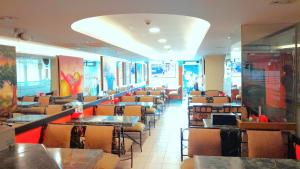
(199, 99)
(54, 109)
(197, 114)
(44, 100)
(105, 110)
(28, 98)
(31, 110)
(140, 92)
(195, 93)
(221, 99)
(205, 142)
(212, 93)
(175, 94)
(149, 110)
(101, 137)
(128, 98)
(266, 144)
(139, 127)
(90, 98)
(160, 102)
(57, 136)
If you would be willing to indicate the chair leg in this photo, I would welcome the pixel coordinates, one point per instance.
(149, 123)
(131, 155)
(141, 142)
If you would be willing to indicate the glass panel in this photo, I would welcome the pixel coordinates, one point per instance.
(268, 75)
(33, 74)
(91, 78)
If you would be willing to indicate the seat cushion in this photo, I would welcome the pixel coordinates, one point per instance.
(138, 127)
(108, 161)
(187, 164)
(150, 110)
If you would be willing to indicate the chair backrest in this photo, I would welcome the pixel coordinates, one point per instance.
(159, 88)
(244, 112)
(211, 93)
(265, 144)
(146, 99)
(53, 109)
(107, 110)
(202, 109)
(133, 111)
(57, 136)
(28, 99)
(220, 99)
(204, 142)
(155, 93)
(197, 99)
(141, 92)
(99, 137)
(44, 100)
(89, 98)
(195, 92)
(128, 98)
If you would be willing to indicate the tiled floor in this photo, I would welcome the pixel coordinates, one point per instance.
(161, 150)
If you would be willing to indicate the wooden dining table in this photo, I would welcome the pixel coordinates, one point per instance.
(222, 162)
(26, 118)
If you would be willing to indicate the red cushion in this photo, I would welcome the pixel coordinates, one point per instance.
(297, 148)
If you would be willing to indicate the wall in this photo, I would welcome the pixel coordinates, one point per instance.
(214, 72)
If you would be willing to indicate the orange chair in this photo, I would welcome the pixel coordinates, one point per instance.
(105, 110)
(128, 98)
(212, 93)
(266, 144)
(221, 99)
(140, 92)
(28, 98)
(195, 93)
(139, 127)
(199, 99)
(101, 137)
(54, 109)
(57, 136)
(90, 98)
(205, 142)
(44, 100)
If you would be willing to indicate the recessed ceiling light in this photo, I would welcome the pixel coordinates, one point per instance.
(167, 47)
(154, 30)
(281, 2)
(162, 40)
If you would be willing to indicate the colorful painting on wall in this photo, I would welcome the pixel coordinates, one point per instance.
(70, 75)
(8, 98)
(109, 73)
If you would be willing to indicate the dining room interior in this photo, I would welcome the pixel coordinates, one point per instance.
(149, 84)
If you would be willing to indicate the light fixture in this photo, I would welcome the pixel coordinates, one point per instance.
(162, 40)
(167, 47)
(154, 30)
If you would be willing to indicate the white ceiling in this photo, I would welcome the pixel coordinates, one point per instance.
(49, 21)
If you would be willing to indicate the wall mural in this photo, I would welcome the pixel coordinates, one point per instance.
(71, 75)
(109, 73)
(8, 80)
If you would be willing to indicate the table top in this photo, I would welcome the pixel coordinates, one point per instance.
(68, 158)
(26, 118)
(27, 104)
(221, 162)
(155, 96)
(27, 156)
(216, 104)
(126, 121)
(208, 124)
(61, 97)
(143, 104)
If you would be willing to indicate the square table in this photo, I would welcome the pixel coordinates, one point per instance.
(27, 156)
(68, 158)
(26, 118)
(143, 104)
(222, 162)
(124, 121)
(27, 104)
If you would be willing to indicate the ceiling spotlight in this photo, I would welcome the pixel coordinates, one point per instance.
(167, 47)
(228, 37)
(162, 40)
(154, 30)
